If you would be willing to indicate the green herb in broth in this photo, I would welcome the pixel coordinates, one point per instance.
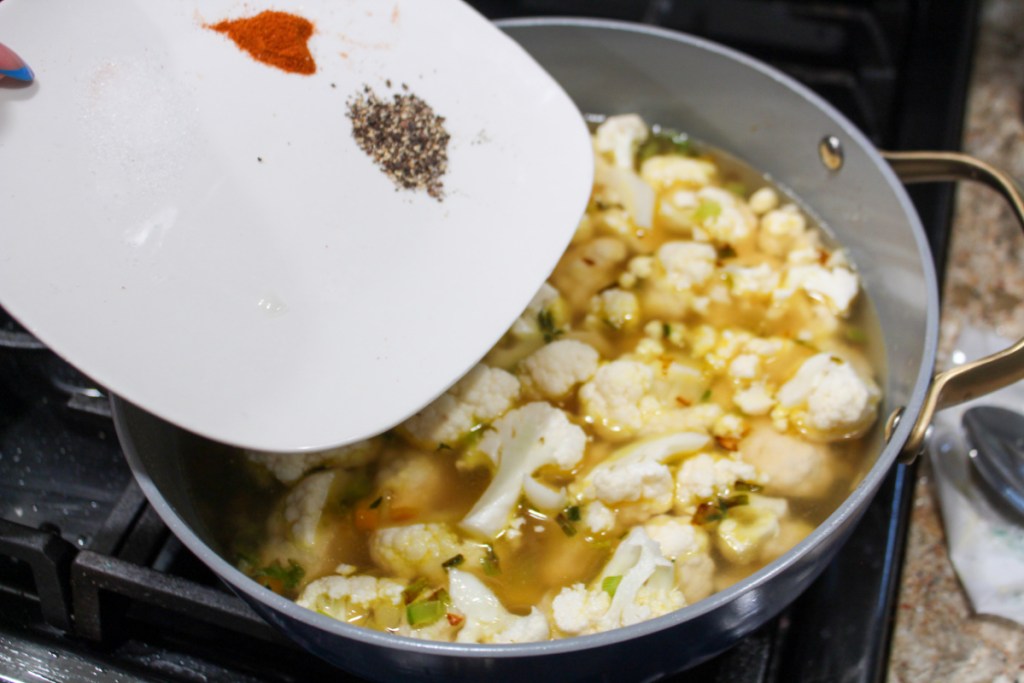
(693, 390)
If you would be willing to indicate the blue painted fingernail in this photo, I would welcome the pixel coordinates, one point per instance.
(22, 74)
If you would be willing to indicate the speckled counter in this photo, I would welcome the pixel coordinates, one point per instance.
(938, 638)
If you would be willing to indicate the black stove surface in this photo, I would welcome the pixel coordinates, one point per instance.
(94, 588)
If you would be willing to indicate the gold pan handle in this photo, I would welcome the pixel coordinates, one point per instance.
(984, 375)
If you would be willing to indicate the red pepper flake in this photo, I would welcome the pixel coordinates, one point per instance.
(275, 38)
(454, 619)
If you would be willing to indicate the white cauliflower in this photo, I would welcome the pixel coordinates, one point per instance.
(304, 504)
(636, 478)
(587, 268)
(419, 550)
(753, 281)
(704, 476)
(827, 399)
(528, 323)
(556, 368)
(615, 308)
(689, 547)
(484, 394)
(618, 186)
(290, 467)
(722, 216)
(619, 137)
(754, 400)
(795, 467)
(637, 584)
(662, 172)
(781, 230)
(486, 619)
(835, 287)
(616, 398)
(687, 264)
(763, 200)
(598, 518)
(746, 529)
(520, 443)
(363, 600)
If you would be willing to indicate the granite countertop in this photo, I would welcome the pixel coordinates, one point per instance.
(938, 637)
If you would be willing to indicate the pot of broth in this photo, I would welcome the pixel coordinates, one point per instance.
(669, 444)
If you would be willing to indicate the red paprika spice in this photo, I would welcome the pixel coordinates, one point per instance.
(274, 38)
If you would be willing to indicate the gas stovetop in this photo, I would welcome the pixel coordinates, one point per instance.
(94, 588)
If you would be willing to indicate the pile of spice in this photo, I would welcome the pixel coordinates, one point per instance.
(275, 38)
(404, 137)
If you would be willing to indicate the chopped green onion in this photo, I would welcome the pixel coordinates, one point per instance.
(707, 512)
(289, 576)
(425, 613)
(443, 447)
(567, 527)
(747, 486)
(491, 565)
(707, 209)
(356, 488)
(734, 501)
(453, 561)
(664, 142)
(856, 335)
(611, 584)
(376, 504)
(414, 589)
(706, 396)
(666, 330)
(573, 513)
(546, 322)
(737, 188)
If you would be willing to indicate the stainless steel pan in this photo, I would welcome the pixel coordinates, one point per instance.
(742, 106)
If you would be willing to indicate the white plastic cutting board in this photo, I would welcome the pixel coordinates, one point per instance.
(199, 232)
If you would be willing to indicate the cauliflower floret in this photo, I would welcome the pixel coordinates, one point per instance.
(290, 467)
(745, 366)
(723, 217)
(753, 281)
(528, 323)
(486, 619)
(482, 395)
(636, 478)
(763, 200)
(598, 518)
(827, 400)
(687, 264)
(619, 137)
(587, 268)
(834, 287)
(418, 550)
(754, 400)
(615, 398)
(704, 476)
(616, 308)
(304, 504)
(661, 172)
(520, 443)
(689, 547)
(700, 417)
(637, 584)
(781, 230)
(623, 195)
(363, 600)
(747, 528)
(795, 467)
(553, 370)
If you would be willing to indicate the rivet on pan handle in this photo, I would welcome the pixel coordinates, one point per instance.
(987, 374)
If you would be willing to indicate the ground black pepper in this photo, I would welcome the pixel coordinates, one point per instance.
(404, 137)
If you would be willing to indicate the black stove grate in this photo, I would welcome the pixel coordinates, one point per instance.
(93, 587)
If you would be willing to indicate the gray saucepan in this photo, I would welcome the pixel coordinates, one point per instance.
(737, 104)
